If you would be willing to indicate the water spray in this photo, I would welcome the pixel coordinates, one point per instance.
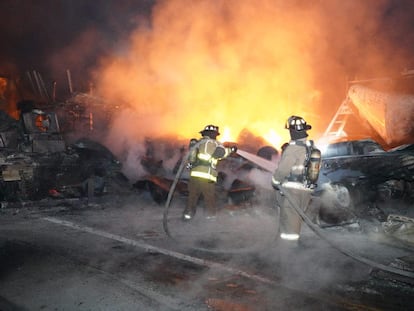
(263, 163)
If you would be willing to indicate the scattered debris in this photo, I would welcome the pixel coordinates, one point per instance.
(36, 162)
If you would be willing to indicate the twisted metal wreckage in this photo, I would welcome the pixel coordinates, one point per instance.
(40, 154)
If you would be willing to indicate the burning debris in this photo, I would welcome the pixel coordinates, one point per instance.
(86, 115)
(216, 73)
(36, 161)
(235, 188)
(40, 157)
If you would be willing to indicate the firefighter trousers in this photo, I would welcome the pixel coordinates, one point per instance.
(290, 220)
(198, 187)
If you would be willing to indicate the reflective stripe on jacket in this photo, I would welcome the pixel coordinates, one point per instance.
(203, 160)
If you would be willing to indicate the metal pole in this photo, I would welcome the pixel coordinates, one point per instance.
(42, 84)
(38, 83)
(29, 76)
(54, 91)
(69, 81)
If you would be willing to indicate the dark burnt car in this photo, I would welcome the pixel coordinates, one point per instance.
(362, 186)
(361, 172)
(36, 163)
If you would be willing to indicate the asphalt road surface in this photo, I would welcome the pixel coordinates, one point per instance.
(115, 255)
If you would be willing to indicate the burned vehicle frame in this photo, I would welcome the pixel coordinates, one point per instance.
(357, 176)
(36, 162)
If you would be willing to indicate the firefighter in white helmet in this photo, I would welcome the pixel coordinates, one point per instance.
(202, 162)
(295, 176)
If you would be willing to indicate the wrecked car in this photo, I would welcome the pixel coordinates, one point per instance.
(361, 173)
(35, 161)
(360, 168)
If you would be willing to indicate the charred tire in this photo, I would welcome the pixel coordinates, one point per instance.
(342, 196)
(337, 205)
(336, 196)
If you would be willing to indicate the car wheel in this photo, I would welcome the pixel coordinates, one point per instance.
(342, 196)
(336, 195)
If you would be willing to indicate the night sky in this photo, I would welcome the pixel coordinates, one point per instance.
(37, 34)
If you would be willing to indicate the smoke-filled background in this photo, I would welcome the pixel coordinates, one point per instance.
(174, 66)
(179, 65)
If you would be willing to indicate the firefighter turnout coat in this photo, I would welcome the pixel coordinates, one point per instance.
(290, 177)
(204, 158)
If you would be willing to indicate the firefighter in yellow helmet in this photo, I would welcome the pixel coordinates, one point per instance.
(202, 162)
(295, 177)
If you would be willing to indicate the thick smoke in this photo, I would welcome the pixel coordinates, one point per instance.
(248, 66)
(232, 64)
(245, 66)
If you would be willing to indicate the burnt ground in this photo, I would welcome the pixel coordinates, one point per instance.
(114, 255)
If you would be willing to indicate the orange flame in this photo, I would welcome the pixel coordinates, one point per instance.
(241, 65)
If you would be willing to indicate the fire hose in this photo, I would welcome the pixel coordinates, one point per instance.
(170, 195)
(268, 166)
(316, 229)
(344, 251)
(168, 206)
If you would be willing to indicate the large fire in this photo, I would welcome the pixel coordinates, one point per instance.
(241, 65)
